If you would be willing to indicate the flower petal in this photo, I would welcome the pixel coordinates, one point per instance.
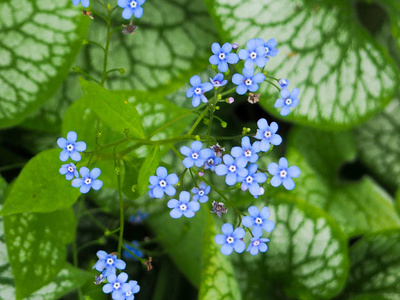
(72, 136)
(227, 228)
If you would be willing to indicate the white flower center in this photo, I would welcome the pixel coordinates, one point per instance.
(232, 168)
(256, 243)
(201, 192)
(249, 179)
(283, 81)
(267, 134)
(197, 91)
(70, 169)
(283, 173)
(195, 155)
(70, 147)
(163, 183)
(258, 221)
(110, 261)
(210, 161)
(88, 180)
(127, 294)
(266, 50)
(182, 207)
(248, 81)
(253, 55)
(247, 153)
(216, 82)
(117, 285)
(230, 239)
(288, 101)
(221, 56)
(133, 4)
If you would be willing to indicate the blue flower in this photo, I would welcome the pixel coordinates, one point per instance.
(248, 81)
(218, 80)
(107, 263)
(283, 82)
(254, 54)
(211, 162)
(231, 240)
(201, 192)
(258, 220)
(162, 183)
(222, 56)
(269, 47)
(288, 100)
(282, 173)
(183, 206)
(246, 153)
(88, 180)
(69, 170)
(257, 244)
(197, 90)
(134, 249)
(252, 180)
(131, 7)
(138, 218)
(85, 3)
(129, 289)
(116, 286)
(231, 168)
(267, 134)
(71, 147)
(195, 155)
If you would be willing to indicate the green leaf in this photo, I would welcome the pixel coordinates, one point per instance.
(343, 75)
(148, 168)
(38, 41)
(171, 44)
(130, 183)
(217, 277)
(375, 267)
(182, 239)
(40, 187)
(113, 109)
(307, 254)
(359, 207)
(36, 246)
(378, 141)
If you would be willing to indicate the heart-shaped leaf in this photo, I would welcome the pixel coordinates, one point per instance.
(343, 75)
(39, 40)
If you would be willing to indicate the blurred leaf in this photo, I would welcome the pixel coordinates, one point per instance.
(378, 142)
(343, 75)
(375, 267)
(148, 168)
(182, 239)
(40, 187)
(113, 109)
(217, 277)
(171, 44)
(359, 207)
(36, 247)
(307, 256)
(38, 40)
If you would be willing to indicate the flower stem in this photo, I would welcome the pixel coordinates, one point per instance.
(270, 82)
(103, 78)
(121, 216)
(198, 121)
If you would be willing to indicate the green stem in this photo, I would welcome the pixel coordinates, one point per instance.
(97, 44)
(272, 77)
(121, 217)
(74, 248)
(270, 82)
(228, 92)
(113, 70)
(88, 76)
(170, 123)
(103, 78)
(12, 166)
(238, 212)
(198, 121)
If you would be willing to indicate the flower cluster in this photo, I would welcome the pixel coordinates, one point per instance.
(131, 7)
(256, 54)
(239, 165)
(118, 286)
(71, 149)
